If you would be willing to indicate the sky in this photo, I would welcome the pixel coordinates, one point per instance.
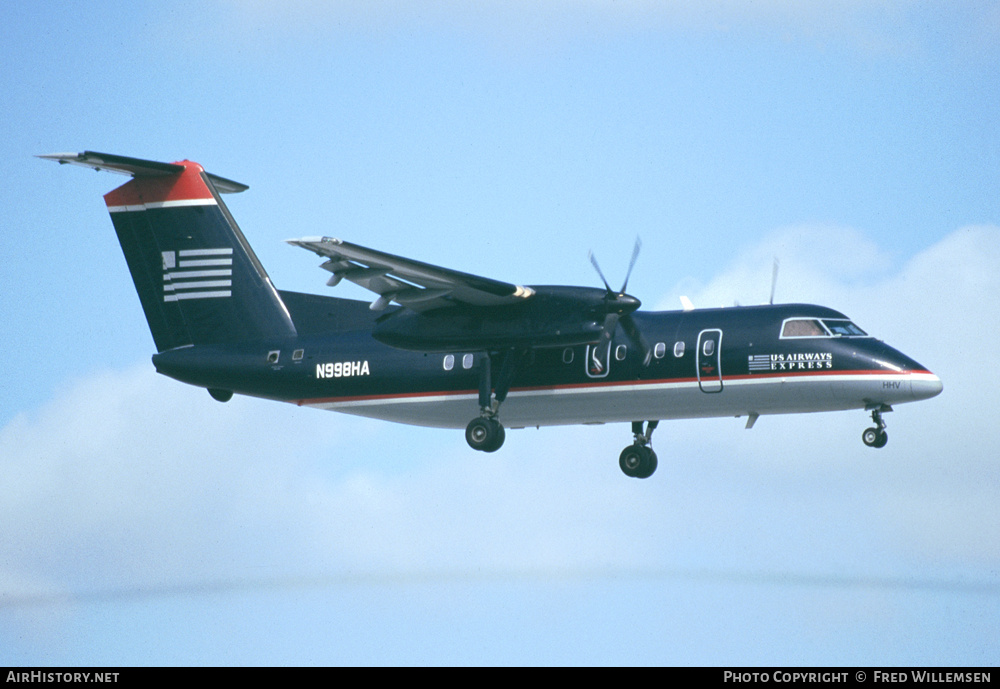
(143, 523)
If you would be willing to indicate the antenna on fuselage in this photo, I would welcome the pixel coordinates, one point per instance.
(774, 279)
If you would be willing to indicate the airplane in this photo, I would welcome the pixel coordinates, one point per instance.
(442, 348)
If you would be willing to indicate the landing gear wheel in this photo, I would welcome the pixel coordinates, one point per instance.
(501, 436)
(637, 461)
(485, 434)
(650, 465)
(874, 437)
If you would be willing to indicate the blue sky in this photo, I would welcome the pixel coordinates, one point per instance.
(144, 523)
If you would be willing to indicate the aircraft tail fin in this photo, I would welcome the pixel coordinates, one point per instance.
(198, 280)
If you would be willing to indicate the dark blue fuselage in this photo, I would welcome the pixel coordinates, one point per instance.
(720, 354)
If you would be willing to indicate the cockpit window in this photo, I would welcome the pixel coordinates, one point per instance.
(803, 327)
(815, 327)
(844, 328)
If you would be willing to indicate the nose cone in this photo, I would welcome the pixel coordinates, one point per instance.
(890, 378)
(626, 303)
(923, 386)
(918, 383)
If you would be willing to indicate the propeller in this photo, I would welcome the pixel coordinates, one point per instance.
(619, 307)
(628, 273)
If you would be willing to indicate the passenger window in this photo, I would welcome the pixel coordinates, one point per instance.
(449, 362)
(467, 361)
(660, 350)
(620, 352)
(679, 349)
(568, 355)
(708, 348)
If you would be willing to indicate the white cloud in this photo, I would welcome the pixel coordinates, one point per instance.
(128, 479)
(817, 263)
(129, 476)
(939, 307)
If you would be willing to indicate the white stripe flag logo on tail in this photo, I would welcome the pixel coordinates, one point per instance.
(197, 274)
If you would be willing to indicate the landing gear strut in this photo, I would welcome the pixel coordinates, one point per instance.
(876, 436)
(485, 433)
(638, 459)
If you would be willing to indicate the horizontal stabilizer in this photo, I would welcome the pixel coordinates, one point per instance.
(137, 167)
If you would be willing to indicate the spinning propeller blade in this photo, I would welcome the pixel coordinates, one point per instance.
(628, 273)
(633, 333)
(631, 263)
(593, 260)
(620, 306)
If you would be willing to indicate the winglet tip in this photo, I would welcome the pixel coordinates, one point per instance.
(299, 241)
(61, 158)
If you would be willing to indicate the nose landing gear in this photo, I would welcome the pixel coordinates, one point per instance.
(638, 459)
(876, 436)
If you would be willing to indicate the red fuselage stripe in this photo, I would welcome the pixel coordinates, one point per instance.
(603, 384)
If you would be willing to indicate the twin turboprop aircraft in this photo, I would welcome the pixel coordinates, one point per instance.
(442, 348)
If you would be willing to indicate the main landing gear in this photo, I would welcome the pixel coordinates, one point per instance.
(485, 433)
(876, 436)
(638, 459)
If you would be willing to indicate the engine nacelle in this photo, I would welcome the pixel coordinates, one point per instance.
(553, 317)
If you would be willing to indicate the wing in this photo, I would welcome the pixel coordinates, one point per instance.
(415, 285)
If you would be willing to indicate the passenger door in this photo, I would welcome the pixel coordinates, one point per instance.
(598, 360)
(708, 360)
